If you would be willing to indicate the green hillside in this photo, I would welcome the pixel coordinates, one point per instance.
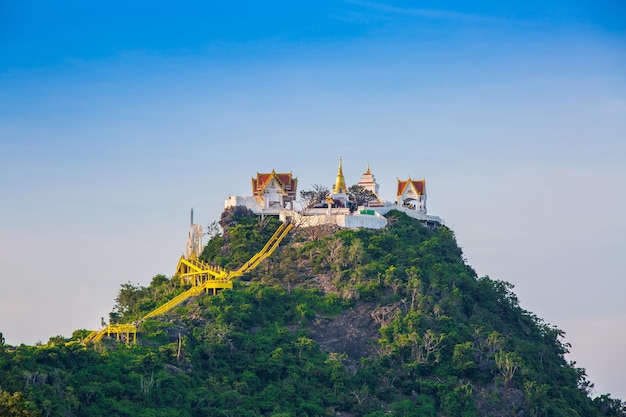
(336, 322)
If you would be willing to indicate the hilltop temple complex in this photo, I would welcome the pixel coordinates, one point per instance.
(276, 194)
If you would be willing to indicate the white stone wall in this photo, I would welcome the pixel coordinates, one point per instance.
(366, 221)
(338, 216)
(247, 201)
(345, 220)
(414, 214)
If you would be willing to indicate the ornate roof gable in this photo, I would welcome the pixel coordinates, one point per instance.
(285, 181)
(418, 185)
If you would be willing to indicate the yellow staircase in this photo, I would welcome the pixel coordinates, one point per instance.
(267, 250)
(128, 331)
(221, 280)
(203, 277)
(192, 292)
(193, 271)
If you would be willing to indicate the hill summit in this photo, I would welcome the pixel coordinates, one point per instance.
(344, 322)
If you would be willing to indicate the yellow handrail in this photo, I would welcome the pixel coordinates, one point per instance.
(126, 328)
(269, 247)
(222, 280)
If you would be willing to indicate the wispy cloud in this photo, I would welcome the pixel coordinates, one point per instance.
(425, 13)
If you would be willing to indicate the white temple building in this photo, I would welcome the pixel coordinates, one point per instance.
(271, 193)
(368, 182)
(412, 194)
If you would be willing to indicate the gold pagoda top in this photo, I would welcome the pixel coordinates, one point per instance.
(340, 182)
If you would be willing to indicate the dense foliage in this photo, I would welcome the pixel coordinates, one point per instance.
(439, 340)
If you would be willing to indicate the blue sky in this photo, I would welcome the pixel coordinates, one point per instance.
(116, 118)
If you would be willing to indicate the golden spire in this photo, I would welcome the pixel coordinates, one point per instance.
(368, 170)
(340, 182)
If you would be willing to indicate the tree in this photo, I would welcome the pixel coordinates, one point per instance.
(610, 407)
(361, 195)
(2, 350)
(463, 356)
(431, 344)
(213, 229)
(14, 405)
(128, 298)
(355, 252)
(315, 196)
(304, 343)
(333, 253)
(391, 279)
(414, 284)
(508, 363)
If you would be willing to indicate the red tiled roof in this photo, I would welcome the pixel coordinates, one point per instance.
(419, 186)
(286, 181)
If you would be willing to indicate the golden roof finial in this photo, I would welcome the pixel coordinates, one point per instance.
(368, 170)
(340, 182)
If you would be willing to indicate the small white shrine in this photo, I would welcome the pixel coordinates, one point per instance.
(412, 194)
